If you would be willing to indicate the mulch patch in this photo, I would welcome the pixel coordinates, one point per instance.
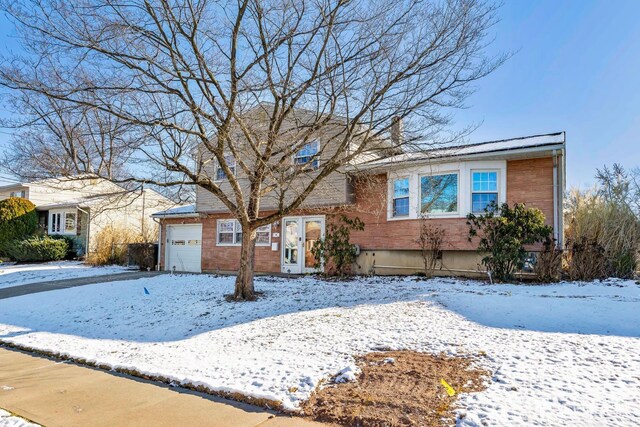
(404, 392)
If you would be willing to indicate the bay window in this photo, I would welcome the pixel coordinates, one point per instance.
(484, 190)
(401, 197)
(439, 194)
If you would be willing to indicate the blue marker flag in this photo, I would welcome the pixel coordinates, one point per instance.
(146, 291)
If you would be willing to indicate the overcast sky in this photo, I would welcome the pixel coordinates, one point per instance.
(576, 68)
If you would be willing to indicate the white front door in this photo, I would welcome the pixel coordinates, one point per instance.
(184, 248)
(299, 235)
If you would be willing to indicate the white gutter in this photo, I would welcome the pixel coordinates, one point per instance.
(86, 248)
(401, 164)
(159, 241)
(562, 178)
(556, 222)
(183, 215)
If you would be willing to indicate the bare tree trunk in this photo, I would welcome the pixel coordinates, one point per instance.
(244, 282)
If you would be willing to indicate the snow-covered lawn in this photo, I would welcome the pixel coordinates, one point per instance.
(22, 274)
(566, 354)
(8, 420)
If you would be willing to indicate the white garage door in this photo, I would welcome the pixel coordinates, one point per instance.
(184, 248)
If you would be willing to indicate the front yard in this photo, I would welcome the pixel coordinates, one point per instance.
(565, 354)
(12, 274)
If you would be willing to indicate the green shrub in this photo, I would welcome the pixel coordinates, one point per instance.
(503, 232)
(335, 251)
(38, 249)
(72, 243)
(18, 219)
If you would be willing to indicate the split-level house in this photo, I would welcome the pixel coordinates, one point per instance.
(79, 207)
(392, 194)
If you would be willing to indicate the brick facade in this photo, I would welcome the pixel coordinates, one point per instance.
(529, 181)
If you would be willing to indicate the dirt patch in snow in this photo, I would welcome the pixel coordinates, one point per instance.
(397, 388)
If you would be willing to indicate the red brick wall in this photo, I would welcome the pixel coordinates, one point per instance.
(529, 181)
(379, 233)
(227, 258)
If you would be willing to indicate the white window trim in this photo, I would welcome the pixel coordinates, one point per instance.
(236, 227)
(63, 223)
(438, 214)
(471, 192)
(317, 159)
(392, 197)
(465, 171)
(269, 242)
(217, 167)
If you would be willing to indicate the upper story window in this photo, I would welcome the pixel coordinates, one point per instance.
(21, 193)
(231, 163)
(308, 155)
(63, 222)
(439, 194)
(230, 233)
(484, 190)
(401, 197)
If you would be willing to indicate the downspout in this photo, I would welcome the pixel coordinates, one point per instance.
(562, 177)
(86, 243)
(159, 242)
(556, 222)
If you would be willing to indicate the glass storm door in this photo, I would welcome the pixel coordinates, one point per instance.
(313, 230)
(300, 233)
(291, 256)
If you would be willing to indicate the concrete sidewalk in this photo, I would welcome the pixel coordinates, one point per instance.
(54, 393)
(33, 288)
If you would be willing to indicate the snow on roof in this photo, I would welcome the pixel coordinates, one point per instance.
(186, 210)
(82, 202)
(525, 142)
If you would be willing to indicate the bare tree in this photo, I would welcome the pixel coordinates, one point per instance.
(618, 186)
(57, 138)
(241, 86)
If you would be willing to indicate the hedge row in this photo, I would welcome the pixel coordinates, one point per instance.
(37, 249)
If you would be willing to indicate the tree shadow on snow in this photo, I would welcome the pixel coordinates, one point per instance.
(182, 306)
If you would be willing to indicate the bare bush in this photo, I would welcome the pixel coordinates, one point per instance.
(431, 240)
(585, 260)
(548, 267)
(603, 237)
(111, 245)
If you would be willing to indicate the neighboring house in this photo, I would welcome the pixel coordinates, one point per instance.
(81, 207)
(391, 195)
